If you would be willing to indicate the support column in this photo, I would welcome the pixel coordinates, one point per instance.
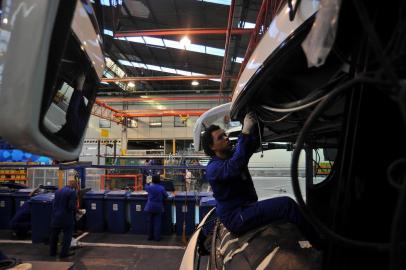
(124, 140)
(60, 178)
(309, 168)
(173, 146)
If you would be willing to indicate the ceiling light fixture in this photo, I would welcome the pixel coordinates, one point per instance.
(131, 84)
(185, 41)
(195, 83)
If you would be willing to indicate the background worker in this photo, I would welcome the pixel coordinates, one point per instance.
(20, 224)
(155, 207)
(63, 218)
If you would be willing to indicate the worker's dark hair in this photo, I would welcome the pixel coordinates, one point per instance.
(207, 140)
(156, 178)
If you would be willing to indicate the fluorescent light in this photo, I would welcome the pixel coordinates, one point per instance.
(131, 84)
(195, 83)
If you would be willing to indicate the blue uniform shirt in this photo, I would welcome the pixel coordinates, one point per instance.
(64, 207)
(156, 197)
(230, 179)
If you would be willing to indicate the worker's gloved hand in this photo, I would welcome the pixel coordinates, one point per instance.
(80, 82)
(249, 122)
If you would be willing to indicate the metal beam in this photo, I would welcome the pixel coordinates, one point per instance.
(228, 38)
(182, 98)
(162, 78)
(183, 32)
(196, 112)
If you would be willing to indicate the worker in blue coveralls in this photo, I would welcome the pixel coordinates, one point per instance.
(238, 207)
(76, 114)
(21, 221)
(63, 214)
(155, 207)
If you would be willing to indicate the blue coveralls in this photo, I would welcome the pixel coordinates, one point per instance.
(21, 222)
(155, 208)
(63, 213)
(238, 207)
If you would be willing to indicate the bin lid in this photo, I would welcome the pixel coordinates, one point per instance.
(5, 191)
(138, 194)
(205, 194)
(208, 201)
(43, 198)
(93, 194)
(116, 194)
(23, 192)
(190, 196)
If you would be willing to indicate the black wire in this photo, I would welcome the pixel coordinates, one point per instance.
(391, 172)
(295, 178)
(398, 223)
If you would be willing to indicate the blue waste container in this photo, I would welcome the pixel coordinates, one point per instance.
(167, 225)
(138, 216)
(185, 212)
(41, 214)
(115, 205)
(94, 217)
(21, 196)
(206, 204)
(6, 208)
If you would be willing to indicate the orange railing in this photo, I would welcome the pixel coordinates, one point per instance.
(137, 180)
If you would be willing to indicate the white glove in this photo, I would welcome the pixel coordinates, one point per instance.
(80, 82)
(249, 122)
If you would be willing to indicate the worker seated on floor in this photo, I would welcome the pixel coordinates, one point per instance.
(64, 209)
(155, 207)
(238, 207)
(20, 224)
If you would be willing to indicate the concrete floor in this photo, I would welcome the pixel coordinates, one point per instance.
(105, 251)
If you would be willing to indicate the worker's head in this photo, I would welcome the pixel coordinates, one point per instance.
(215, 141)
(156, 178)
(72, 180)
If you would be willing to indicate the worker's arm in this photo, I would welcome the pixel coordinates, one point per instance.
(72, 201)
(225, 170)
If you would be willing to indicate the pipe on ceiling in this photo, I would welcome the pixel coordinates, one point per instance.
(182, 32)
(161, 78)
(164, 113)
(181, 98)
(226, 46)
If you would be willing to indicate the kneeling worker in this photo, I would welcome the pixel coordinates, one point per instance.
(63, 215)
(155, 207)
(238, 207)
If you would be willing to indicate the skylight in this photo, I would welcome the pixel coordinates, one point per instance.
(111, 3)
(220, 2)
(163, 69)
(154, 41)
(108, 32)
(160, 42)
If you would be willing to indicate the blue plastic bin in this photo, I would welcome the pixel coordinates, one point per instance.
(167, 225)
(6, 208)
(41, 214)
(185, 212)
(115, 205)
(21, 196)
(206, 204)
(94, 205)
(138, 216)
